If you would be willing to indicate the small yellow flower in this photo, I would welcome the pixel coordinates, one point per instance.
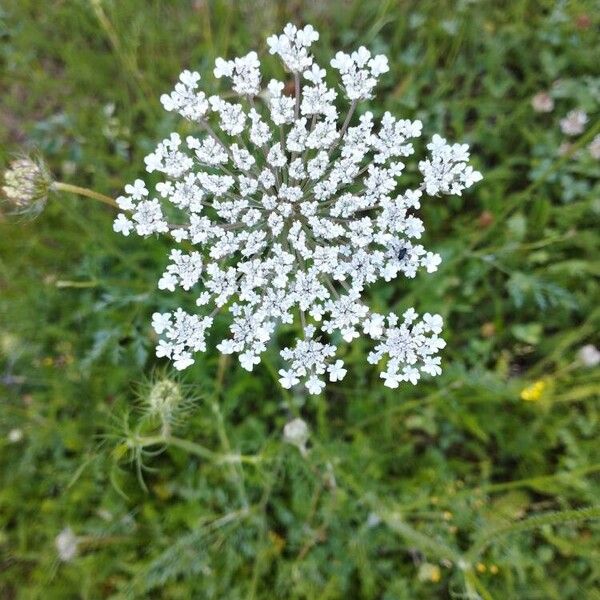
(481, 568)
(493, 569)
(533, 392)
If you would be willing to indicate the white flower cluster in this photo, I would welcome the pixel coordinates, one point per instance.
(284, 210)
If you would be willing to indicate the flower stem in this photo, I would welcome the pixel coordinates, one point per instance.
(297, 90)
(59, 186)
(198, 450)
(347, 121)
(236, 470)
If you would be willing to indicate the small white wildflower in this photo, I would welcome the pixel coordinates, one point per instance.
(293, 211)
(594, 147)
(137, 191)
(292, 46)
(243, 71)
(296, 433)
(66, 544)
(122, 224)
(359, 72)
(589, 355)
(574, 123)
(373, 520)
(542, 102)
(184, 99)
(15, 435)
(447, 171)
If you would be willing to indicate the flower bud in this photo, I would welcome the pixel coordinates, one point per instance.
(26, 185)
(296, 433)
(164, 397)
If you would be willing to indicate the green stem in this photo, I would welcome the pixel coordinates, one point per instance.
(197, 450)
(550, 518)
(237, 472)
(533, 481)
(473, 584)
(59, 186)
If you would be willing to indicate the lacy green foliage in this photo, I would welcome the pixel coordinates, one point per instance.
(457, 488)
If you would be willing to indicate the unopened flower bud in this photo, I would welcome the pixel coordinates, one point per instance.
(296, 433)
(26, 185)
(164, 397)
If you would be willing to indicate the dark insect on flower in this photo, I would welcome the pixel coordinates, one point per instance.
(402, 253)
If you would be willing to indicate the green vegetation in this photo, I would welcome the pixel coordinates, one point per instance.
(480, 483)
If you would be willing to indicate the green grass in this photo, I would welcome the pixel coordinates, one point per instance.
(451, 489)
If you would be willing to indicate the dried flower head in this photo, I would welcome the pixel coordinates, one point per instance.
(292, 212)
(26, 186)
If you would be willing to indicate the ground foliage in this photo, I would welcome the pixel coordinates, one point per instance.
(481, 483)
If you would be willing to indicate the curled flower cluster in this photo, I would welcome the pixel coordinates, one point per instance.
(26, 186)
(290, 212)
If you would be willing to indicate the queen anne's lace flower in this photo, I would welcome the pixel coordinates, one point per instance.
(291, 212)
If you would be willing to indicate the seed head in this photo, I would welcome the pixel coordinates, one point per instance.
(26, 186)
